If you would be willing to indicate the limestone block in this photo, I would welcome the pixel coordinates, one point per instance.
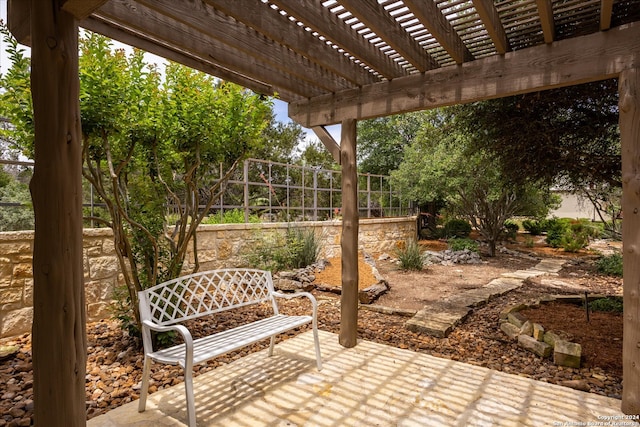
(16, 248)
(551, 338)
(538, 332)
(510, 329)
(511, 309)
(22, 270)
(567, 353)
(16, 322)
(11, 295)
(108, 247)
(28, 292)
(225, 249)
(538, 347)
(517, 319)
(103, 267)
(527, 328)
(98, 311)
(6, 271)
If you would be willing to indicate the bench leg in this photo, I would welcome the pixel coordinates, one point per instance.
(191, 406)
(316, 341)
(271, 344)
(142, 403)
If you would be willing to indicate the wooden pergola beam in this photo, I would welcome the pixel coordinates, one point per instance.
(606, 9)
(19, 20)
(629, 89)
(327, 140)
(140, 20)
(59, 320)
(597, 56)
(268, 22)
(328, 24)
(489, 15)
(374, 16)
(349, 242)
(81, 9)
(433, 20)
(206, 20)
(545, 10)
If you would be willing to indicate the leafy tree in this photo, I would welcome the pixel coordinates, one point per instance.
(382, 141)
(565, 136)
(13, 218)
(441, 164)
(149, 144)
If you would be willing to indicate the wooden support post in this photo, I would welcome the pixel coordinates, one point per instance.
(629, 89)
(59, 321)
(350, 223)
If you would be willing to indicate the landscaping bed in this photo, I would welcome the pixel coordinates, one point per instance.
(114, 361)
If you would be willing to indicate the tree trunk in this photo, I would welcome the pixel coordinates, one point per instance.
(59, 339)
(350, 223)
(629, 88)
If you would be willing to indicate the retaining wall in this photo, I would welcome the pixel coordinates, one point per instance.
(219, 246)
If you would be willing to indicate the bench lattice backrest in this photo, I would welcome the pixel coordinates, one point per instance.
(204, 293)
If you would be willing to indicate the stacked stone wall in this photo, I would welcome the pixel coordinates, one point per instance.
(219, 246)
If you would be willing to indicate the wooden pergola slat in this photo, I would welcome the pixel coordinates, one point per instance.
(491, 19)
(302, 42)
(430, 16)
(545, 9)
(327, 24)
(374, 16)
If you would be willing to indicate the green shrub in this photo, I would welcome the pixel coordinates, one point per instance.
(528, 242)
(276, 251)
(462, 244)
(410, 256)
(611, 265)
(457, 228)
(534, 227)
(233, 216)
(609, 305)
(511, 229)
(556, 228)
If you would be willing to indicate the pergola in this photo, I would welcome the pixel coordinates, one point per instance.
(333, 61)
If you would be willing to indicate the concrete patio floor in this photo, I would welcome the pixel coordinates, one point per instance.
(369, 385)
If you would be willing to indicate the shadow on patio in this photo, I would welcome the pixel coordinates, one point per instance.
(371, 384)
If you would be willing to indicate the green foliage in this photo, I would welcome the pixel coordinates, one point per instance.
(457, 228)
(556, 228)
(410, 256)
(574, 139)
(528, 242)
(535, 227)
(276, 251)
(233, 216)
(13, 218)
(458, 244)
(443, 164)
(511, 229)
(608, 305)
(610, 265)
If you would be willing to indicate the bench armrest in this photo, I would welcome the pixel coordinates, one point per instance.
(314, 303)
(182, 330)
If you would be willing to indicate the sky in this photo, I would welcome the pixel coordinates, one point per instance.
(279, 107)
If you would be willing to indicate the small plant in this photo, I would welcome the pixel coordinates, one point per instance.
(462, 244)
(276, 252)
(410, 256)
(528, 242)
(511, 229)
(611, 265)
(608, 305)
(233, 216)
(534, 227)
(457, 228)
(556, 229)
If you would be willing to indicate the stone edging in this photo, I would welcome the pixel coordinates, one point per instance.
(532, 336)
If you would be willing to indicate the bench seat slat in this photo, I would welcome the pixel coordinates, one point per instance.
(211, 346)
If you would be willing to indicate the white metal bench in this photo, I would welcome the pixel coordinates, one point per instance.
(165, 305)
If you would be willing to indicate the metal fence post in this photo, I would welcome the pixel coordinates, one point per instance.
(246, 191)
